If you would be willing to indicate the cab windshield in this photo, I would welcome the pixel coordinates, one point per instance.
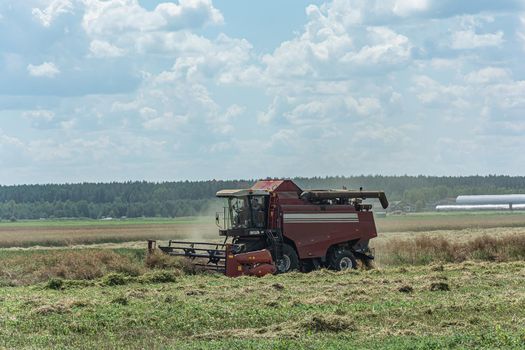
(247, 212)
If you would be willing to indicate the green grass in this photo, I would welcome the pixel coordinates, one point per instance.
(484, 308)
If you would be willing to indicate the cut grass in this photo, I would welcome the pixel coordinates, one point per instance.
(28, 266)
(483, 308)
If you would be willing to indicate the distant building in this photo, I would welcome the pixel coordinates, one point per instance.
(491, 199)
(485, 202)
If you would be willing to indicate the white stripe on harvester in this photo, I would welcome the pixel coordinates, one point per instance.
(292, 218)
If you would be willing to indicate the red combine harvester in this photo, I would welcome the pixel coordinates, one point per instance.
(274, 226)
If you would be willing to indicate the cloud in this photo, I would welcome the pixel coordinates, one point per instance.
(388, 12)
(450, 8)
(189, 14)
(46, 70)
(68, 124)
(234, 111)
(521, 31)
(332, 109)
(332, 46)
(40, 114)
(487, 75)
(165, 121)
(406, 8)
(160, 91)
(468, 39)
(46, 119)
(116, 17)
(509, 97)
(387, 47)
(6, 140)
(279, 105)
(100, 48)
(435, 94)
(224, 60)
(54, 9)
(222, 123)
(78, 149)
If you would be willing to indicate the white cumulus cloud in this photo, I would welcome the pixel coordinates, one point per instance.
(521, 31)
(40, 114)
(46, 70)
(54, 9)
(469, 39)
(405, 8)
(385, 46)
(113, 17)
(100, 48)
(487, 75)
(6, 140)
(166, 121)
(189, 13)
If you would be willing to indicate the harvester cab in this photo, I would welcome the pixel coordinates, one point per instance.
(275, 226)
(245, 211)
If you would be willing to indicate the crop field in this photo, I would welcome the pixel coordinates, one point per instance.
(74, 232)
(58, 233)
(439, 281)
(449, 221)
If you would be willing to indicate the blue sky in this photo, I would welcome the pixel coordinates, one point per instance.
(193, 89)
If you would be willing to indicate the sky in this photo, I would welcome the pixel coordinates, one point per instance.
(120, 90)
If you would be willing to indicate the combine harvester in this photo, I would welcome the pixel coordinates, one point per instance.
(275, 227)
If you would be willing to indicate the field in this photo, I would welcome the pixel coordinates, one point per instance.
(71, 233)
(440, 281)
(76, 232)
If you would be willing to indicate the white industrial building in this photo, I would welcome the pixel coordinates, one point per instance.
(486, 202)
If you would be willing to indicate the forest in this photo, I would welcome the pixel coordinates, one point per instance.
(191, 198)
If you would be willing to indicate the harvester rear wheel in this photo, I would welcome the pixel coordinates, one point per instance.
(342, 260)
(290, 260)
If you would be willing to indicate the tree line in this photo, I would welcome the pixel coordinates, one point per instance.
(190, 198)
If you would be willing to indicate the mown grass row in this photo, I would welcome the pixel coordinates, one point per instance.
(25, 267)
(482, 306)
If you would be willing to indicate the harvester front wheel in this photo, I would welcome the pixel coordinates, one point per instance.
(289, 261)
(342, 260)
